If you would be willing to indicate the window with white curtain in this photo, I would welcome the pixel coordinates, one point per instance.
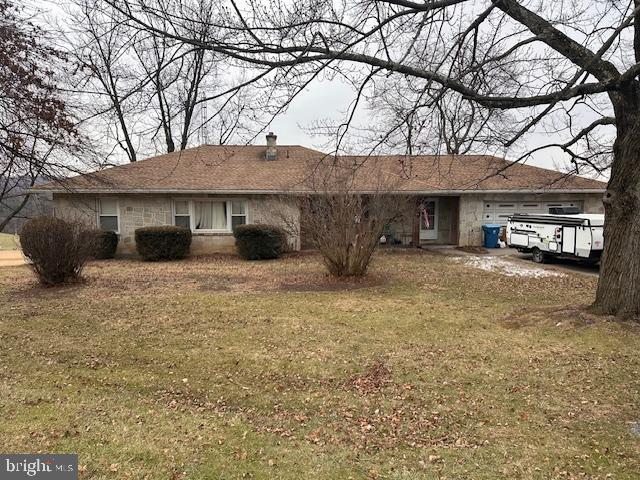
(209, 215)
(108, 218)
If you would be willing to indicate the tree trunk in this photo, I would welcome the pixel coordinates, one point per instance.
(619, 284)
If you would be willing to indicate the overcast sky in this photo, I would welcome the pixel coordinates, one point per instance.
(329, 99)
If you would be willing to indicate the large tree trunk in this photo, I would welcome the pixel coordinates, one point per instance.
(619, 284)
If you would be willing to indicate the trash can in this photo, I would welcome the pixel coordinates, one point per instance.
(491, 235)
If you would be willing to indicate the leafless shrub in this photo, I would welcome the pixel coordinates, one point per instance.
(345, 212)
(58, 249)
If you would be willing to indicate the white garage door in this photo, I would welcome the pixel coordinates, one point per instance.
(498, 212)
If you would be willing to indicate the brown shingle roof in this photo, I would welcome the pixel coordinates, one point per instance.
(227, 169)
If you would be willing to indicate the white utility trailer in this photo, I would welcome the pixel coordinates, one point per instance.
(577, 236)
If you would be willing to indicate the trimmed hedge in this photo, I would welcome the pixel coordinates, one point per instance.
(58, 248)
(105, 244)
(162, 243)
(260, 242)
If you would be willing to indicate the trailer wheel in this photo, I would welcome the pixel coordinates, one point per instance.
(538, 255)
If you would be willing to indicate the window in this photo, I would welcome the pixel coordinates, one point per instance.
(108, 214)
(238, 214)
(209, 215)
(181, 214)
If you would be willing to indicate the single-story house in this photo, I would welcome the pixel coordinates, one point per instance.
(213, 188)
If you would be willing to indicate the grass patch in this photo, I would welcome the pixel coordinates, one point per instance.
(9, 241)
(219, 368)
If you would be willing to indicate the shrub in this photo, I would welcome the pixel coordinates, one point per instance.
(163, 243)
(346, 227)
(57, 248)
(260, 242)
(105, 244)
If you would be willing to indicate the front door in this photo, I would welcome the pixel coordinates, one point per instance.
(429, 219)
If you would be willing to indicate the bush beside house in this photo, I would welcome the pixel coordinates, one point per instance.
(260, 242)
(58, 249)
(162, 243)
(105, 244)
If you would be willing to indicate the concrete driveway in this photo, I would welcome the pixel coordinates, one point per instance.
(557, 263)
(512, 253)
(568, 265)
(11, 258)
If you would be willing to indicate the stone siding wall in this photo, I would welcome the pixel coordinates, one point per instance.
(280, 211)
(471, 219)
(142, 210)
(76, 207)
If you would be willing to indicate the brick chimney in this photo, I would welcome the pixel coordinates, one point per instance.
(272, 150)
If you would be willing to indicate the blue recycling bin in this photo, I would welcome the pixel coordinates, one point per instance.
(491, 235)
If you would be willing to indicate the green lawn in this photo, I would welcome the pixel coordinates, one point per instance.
(8, 241)
(217, 369)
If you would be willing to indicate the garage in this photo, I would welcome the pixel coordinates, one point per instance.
(496, 211)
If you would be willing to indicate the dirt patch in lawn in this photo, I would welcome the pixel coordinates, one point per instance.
(213, 273)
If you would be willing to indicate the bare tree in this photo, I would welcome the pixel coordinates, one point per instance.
(176, 77)
(147, 93)
(404, 116)
(100, 46)
(572, 67)
(37, 130)
(446, 123)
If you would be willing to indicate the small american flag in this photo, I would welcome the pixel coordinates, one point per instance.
(425, 214)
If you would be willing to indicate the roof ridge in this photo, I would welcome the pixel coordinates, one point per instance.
(527, 165)
(243, 167)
